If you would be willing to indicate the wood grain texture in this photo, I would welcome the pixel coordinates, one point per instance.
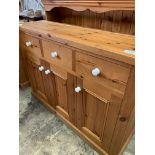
(30, 69)
(74, 100)
(32, 52)
(23, 75)
(58, 71)
(127, 111)
(120, 21)
(35, 48)
(94, 111)
(103, 111)
(109, 71)
(71, 81)
(61, 87)
(99, 42)
(43, 85)
(36, 79)
(64, 57)
(49, 83)
(101, 91)
(111, 119)
(95, 117)
(96, 6)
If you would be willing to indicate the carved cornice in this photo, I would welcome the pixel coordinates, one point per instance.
(95, 6)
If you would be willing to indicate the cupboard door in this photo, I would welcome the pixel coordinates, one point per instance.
(100, 117)
(74, 100)
(94, 111)
(62, 106)
(95, 116)
(36, 79)
(49, 84)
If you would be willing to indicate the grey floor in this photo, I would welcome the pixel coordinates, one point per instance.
(42, 133)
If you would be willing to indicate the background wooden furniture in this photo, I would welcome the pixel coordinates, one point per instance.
(95, 5)
(110, 15)
(98, 105)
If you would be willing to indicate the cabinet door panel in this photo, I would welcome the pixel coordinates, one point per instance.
(49, 83)
(71, 96)
(39, 80)
(30, 70)
(111, 119)
(36, 79)
(61, 93)
(95, 116)
(100, 117)
(62, 107)
(74, 100)
(95, 112)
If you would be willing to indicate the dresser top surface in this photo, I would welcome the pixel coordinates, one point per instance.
(108, 44)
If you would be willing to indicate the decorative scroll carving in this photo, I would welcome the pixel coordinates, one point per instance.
(95, 6)
(119, 21)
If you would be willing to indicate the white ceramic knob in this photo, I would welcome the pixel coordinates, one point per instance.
(47, 71)
(54, 54)
(41, 68)
(28, 43)
(95, 71)
(77, 89)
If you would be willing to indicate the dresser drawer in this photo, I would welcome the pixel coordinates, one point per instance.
(31, 45)
(57, 54)
(101, 71)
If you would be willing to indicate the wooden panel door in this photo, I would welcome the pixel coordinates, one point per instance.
(74, 100)
(43, 86)
(95, 116)
(49, 85)
(62, 106)
(94, 111)
(36, 79)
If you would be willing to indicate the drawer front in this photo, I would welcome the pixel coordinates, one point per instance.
(31, 45)
(101, 71)
(57, 54)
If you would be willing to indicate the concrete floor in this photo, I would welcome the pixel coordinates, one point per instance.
(42, 133)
